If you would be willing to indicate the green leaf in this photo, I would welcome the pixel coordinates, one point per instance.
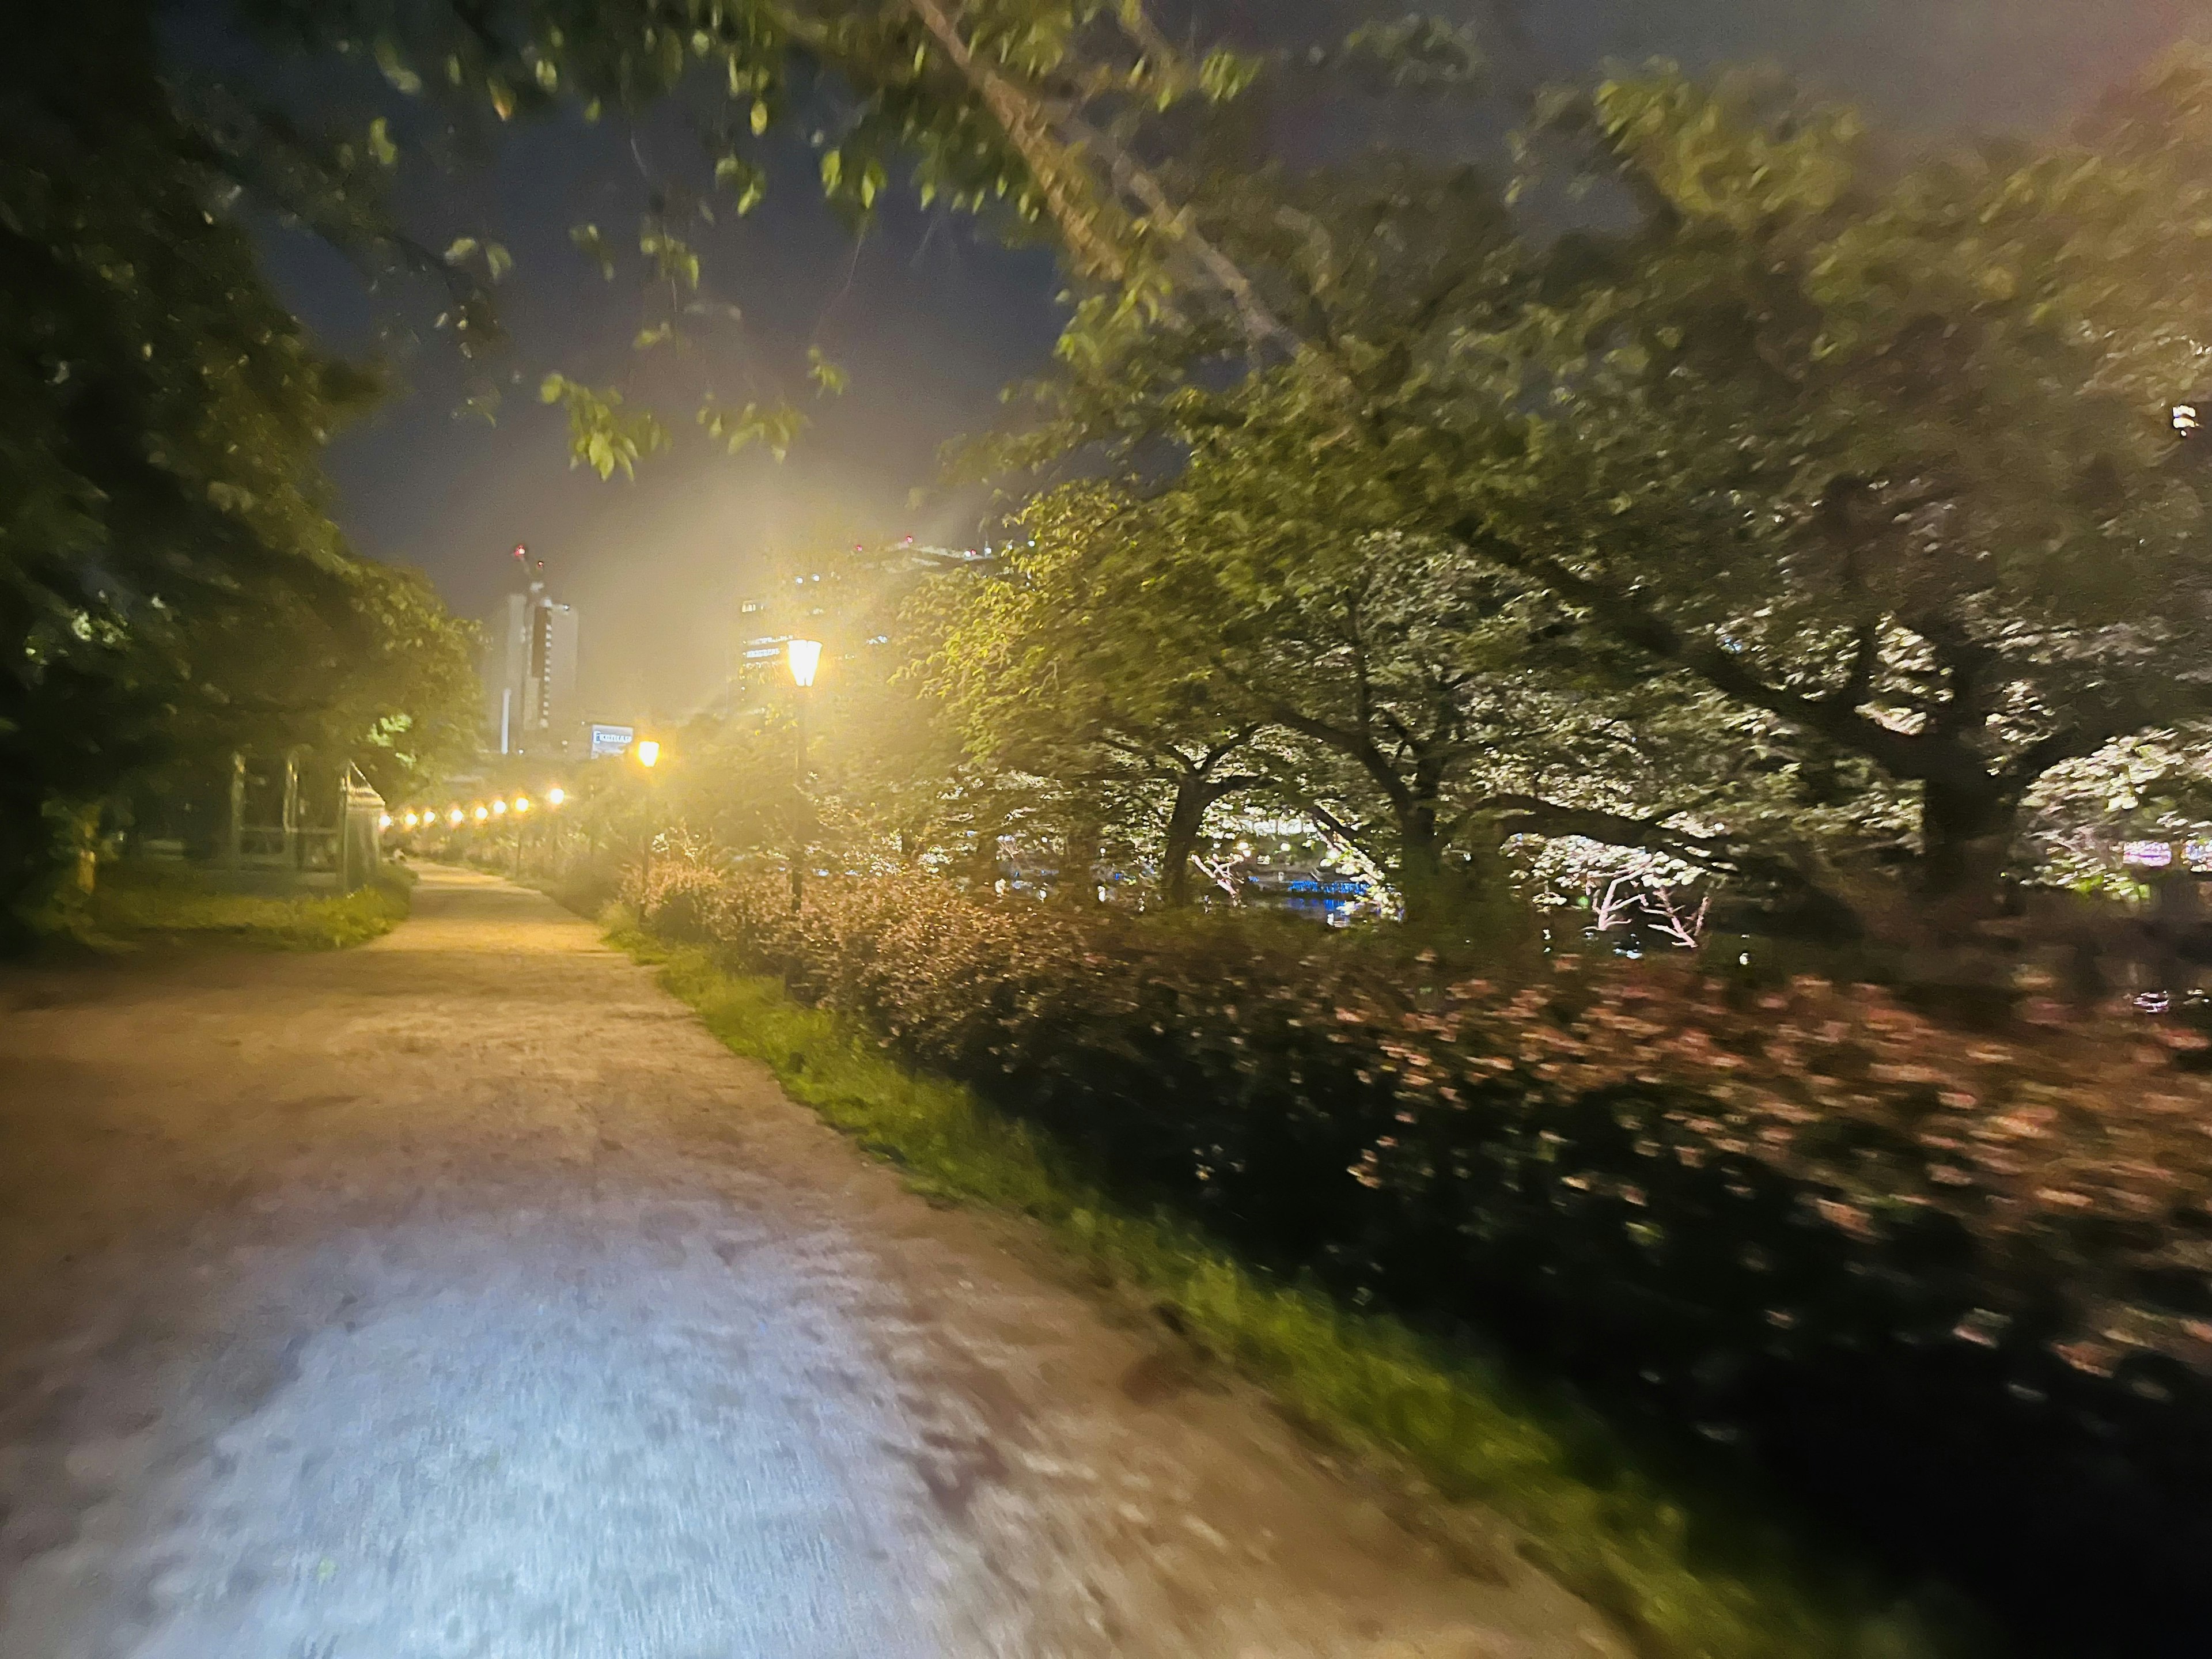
(775, 428)
(1224, 74)
(736, 174)
(828, 379)
(759, 117)
(459, 249)
(395, 69)
(587, 237)
(677, 260)
(380, 143)
(602, 434)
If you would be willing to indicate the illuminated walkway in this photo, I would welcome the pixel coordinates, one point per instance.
(459, 1298)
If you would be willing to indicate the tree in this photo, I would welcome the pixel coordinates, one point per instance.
(384, 679)
(1879, 454)
(1279, 553)
(158, 470)
(1071, 665)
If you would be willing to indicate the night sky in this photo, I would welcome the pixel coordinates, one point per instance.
(931, 320)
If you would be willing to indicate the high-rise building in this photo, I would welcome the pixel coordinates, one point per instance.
(530, 674)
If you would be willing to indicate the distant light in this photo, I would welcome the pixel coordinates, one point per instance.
(498, 809)
(522, 803)
(482, 813)
(455, 816)
(555, 795)
(385, 823)
(411, 820)
(649, 754)
(805, 656)
(2150, 855)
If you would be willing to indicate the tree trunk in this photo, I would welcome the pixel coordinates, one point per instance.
(1185, 820)
(1433, 895)
(983, 859)
(1966, 834)
(1077, 882)
(1455, 901)
(1426, 883)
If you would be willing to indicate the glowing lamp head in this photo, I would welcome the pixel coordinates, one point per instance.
(453, 817)
(522, 803)
(498, 809)
(385, 822)
(555, 795)
(483, 814)
(649, 754)
(411, 820)
(804, 656)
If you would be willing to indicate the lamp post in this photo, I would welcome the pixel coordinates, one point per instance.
(804, 656)
(648, 755)
(521, 810)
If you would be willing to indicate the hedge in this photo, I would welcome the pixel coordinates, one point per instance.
(1947, 1288)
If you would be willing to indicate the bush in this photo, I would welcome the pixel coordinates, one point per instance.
(1950, 1287)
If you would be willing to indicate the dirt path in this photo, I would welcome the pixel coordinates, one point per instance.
(459, 1296)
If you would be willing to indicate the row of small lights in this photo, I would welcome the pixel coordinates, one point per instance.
(804, 656)
(646, 754)
(456, 817)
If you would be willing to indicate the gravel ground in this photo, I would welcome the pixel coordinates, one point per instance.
(459, 1297)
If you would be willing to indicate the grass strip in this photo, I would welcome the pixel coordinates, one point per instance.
(1682, 1577)
(134, 904)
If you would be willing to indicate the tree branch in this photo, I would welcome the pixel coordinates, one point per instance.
(1049, 161)
(1531, 815)
(1903, 755)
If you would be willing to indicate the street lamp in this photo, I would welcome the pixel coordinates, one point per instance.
(555, 795)
(647, 752)
(804, 656)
